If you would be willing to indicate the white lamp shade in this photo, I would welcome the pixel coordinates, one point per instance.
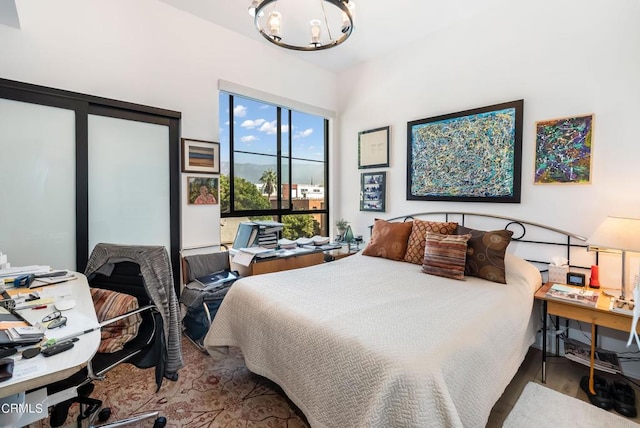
(617, 233)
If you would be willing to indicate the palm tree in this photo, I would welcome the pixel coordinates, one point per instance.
(269, 181)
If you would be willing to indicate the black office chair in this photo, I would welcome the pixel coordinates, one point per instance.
(145, 273)
(201, 306)
(144, 351)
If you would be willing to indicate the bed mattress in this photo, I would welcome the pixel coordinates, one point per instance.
(371, 342)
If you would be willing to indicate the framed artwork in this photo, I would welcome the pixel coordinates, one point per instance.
(564, 150)
(469, 156)
(202, 190)
(373, 148)
(200, 156)
(372, 191)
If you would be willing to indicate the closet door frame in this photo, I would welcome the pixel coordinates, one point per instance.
(83, 105)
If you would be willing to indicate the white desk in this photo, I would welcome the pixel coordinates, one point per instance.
(40, 371)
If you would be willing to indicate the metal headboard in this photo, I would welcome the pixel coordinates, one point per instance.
(552, 236)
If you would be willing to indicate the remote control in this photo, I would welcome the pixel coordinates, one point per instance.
(56, 349)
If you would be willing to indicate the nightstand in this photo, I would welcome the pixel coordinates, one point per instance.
(600, 315)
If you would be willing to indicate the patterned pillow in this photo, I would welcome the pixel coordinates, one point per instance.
(109, 304)
(444, 255)
(485, 253)
(388, 240)
(415, 247)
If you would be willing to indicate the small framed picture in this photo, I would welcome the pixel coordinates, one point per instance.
(202, 190)
(200, 156)
(373, 148)
(372, 191)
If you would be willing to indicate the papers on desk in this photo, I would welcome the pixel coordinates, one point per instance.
(24, 270)
(39, 282)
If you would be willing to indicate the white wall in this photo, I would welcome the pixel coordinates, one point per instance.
(563, 58)
(150, 53)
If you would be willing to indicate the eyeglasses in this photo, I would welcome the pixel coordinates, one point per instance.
(55, 320)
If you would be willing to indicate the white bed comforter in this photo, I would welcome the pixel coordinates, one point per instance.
(370, 342)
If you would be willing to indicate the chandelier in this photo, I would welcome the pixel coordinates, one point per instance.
(310, 25)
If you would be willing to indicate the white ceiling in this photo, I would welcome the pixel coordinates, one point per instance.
(380, 26)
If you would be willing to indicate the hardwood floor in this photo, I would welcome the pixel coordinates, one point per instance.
(563, 375)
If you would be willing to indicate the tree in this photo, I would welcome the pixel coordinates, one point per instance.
(299, 225)
(247, 196)
(269, 181)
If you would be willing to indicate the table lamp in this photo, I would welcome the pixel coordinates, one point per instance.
(620, 234)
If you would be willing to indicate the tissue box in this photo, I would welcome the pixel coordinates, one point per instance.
(558, 274)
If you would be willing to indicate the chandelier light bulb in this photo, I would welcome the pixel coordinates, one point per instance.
(274, 25)
(315, 32)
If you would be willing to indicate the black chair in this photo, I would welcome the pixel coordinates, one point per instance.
(146, 350)
(201, 306)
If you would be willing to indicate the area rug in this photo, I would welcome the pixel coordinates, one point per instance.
(540, 407)
(206, 394)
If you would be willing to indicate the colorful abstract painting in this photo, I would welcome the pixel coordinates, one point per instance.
(563, 150)
(474, 155)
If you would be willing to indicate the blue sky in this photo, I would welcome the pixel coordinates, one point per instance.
(255, 131)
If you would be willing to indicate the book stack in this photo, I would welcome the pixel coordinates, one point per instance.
(287, 244)
(27, 334)
(577, 295)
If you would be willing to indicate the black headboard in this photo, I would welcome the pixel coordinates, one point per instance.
(534, 242)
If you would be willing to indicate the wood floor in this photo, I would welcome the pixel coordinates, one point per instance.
(563, 376)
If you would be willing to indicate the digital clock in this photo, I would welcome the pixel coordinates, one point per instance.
(574, 278)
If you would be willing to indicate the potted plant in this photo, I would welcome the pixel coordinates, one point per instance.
(341, 224)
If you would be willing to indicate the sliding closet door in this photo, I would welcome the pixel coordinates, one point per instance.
(129, 182)
(37, 184)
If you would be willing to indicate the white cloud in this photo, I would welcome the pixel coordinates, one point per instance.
(240, 111)
(304, 134)
(269, 127)
(250, 124)
(249, 139)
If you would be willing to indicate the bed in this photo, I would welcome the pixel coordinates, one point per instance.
(373, 342)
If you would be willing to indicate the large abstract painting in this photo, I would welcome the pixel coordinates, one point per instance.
(470, 156)
(563, 150)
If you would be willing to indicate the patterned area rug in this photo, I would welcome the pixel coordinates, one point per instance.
(207, 394)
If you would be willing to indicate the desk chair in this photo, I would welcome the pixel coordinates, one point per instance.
(201, 306)
(82, 382)
(147, 349)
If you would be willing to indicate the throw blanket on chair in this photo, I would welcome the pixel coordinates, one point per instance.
(155, 267)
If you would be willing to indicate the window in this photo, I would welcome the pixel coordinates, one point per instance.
(274, 165)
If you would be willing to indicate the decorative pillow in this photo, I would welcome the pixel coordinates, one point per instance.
(444, 255)
(388, 240)
(109, 304)
(415, 247)
(485, 253)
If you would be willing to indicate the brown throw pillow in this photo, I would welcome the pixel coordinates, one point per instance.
(485, 253)
(415, 247)
(388, 240)
(444, 255)
(109, 304)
